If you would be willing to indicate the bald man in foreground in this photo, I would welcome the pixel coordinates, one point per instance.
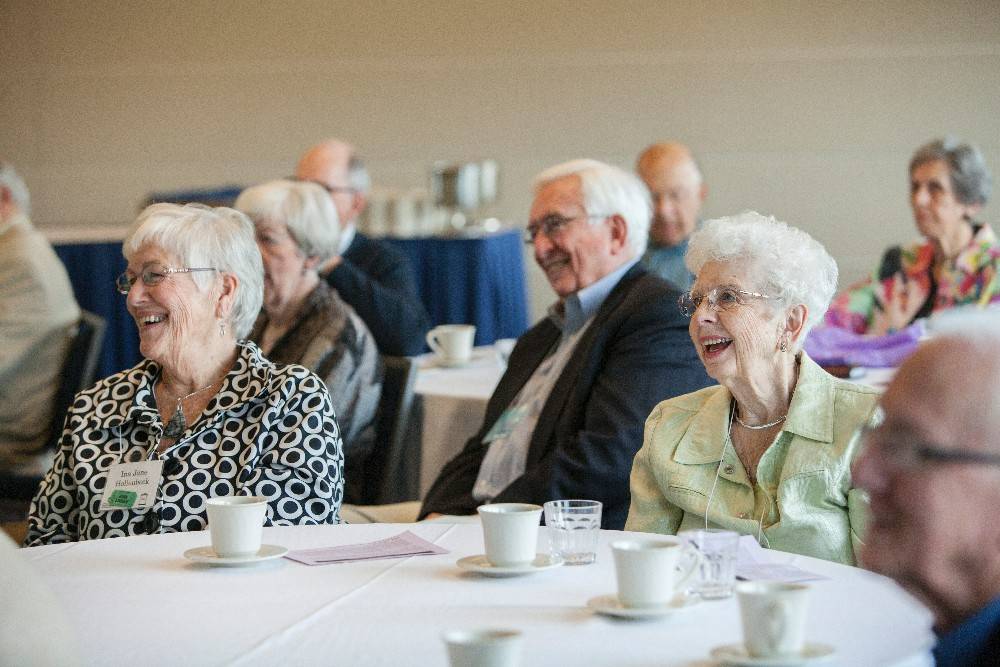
(932, 469)
(675, 182)
(369, 274)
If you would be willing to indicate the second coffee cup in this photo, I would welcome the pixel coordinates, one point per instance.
(452, 343)
(510, 532)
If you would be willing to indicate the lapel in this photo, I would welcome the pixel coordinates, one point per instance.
(583, 355)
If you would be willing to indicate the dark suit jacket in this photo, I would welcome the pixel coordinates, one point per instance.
(376, 280)
(635, 353)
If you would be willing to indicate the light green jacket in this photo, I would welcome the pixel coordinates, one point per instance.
(803, 501)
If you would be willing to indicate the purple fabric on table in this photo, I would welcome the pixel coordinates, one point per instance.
(830, 346)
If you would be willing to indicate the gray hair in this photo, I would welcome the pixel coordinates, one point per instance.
(970, 177)
(304, 207)
(793, 266)
(200, 236)
(608, 190)
(12, 181)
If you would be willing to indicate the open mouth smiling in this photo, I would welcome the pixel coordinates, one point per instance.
(716, 344)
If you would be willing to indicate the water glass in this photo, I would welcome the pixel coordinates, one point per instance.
(718, 549)
(573, 528)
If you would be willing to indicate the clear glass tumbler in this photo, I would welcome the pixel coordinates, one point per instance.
(718, 550)
(573, 528)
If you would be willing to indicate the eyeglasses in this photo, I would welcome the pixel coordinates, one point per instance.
(551, 225)
(902, 456)
(152, 275)
(332, 189)
(722, 297)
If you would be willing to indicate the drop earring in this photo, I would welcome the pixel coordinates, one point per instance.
(222, 328)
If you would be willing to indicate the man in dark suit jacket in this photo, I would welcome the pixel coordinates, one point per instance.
(369, 274)
(566, 419)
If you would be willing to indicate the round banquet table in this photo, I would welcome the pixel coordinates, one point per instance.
(136, 600)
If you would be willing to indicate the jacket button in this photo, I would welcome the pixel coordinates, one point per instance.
(744, 515)
(729, 469)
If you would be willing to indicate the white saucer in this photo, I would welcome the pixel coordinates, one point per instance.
(483, 566)
(207, 555)
(610, 605)
(736, 655)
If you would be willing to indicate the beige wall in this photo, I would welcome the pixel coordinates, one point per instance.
(805, 110)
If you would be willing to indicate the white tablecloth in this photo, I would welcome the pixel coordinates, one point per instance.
(137, 601)
(453, 401)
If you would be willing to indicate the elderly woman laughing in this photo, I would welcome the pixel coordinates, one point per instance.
(768, 452)
(203, 415)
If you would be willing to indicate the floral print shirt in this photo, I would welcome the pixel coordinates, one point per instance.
(270, 431)
(971, 278)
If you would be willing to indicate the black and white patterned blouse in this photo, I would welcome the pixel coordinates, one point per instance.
(270, 431)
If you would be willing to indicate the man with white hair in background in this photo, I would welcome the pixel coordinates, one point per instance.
(369, 274)
(675, 182)
(566, 419)
(931, 465)
(37, 311)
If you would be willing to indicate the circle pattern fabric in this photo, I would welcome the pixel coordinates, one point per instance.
(270, 431)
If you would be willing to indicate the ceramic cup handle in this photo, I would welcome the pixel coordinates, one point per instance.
(432, 341)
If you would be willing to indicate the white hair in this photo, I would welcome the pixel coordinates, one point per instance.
(304, 207)
(608, 190)
(12, 181)
(793, 266)
(203, 237)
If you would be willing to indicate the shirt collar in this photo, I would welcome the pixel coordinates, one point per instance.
(671, 250)
(574, 311)
(810, 415)
(246, 380)
(347, 235)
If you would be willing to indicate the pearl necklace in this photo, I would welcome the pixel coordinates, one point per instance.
(762, 426)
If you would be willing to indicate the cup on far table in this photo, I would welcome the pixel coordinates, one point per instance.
(774, 618)
(510, 532)
(483, 648)
(718, 549)
(236, 524)
(573, 527)
(650, 572)
(452, 343)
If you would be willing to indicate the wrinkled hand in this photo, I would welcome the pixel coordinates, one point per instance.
(898, 303)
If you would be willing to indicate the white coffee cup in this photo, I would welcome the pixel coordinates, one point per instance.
(452, 342)
(483, 648)
(510, 532)
(774, 618)
(650, 572)
(236, 524)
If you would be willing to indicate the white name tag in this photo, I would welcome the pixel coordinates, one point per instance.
(132, 485)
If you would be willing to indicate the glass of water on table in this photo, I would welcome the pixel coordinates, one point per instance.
(718, 549)
(573, 527)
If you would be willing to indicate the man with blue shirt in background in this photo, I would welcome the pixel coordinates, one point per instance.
(678, 190)
(566, 419)
(932, 470)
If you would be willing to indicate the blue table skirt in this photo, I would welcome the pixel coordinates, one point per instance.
(470, 281)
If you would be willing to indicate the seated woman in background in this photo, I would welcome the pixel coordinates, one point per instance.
(956, 262)
(304, 320)
(767, 452)
(206, 412)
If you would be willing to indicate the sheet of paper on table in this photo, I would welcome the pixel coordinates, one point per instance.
(754, 563)
(404, 545)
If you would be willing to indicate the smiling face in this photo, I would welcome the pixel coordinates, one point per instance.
(176, 320)
(937, 212)
(285, 265)
(583, 250)
(741, 342)
(928, 530)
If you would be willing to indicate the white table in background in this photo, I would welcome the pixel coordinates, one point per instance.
(453, 402)
(136, 600)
